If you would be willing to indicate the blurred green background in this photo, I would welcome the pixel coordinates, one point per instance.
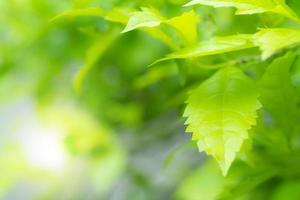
(112, 140)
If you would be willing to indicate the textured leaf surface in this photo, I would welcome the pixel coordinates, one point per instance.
(220, 112)
(278, 95)
(273, 40)
(214, 46)
(251, 6)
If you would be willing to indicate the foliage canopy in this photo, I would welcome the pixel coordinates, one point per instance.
(229, 67)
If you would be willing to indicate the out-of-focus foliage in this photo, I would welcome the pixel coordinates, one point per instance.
(69, 151)
(92, 93)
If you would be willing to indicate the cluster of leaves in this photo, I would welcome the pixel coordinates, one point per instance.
(232, 64)
(247, 106)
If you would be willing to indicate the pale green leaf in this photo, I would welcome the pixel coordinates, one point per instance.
(220, 112)
(149, 20)
(251, 6)
(145, 18)
(186, 24)
(278, 95)
(283, 9)
(214, 46)
(270, 41)
(124, 16)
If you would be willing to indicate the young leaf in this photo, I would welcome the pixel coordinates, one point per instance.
(216, 45)
(145, 18)
(220, 112)
(277, 92)
(186, 24)
(251, 6)
(149, 21)
(271, 41)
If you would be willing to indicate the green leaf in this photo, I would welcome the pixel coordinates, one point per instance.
(278, 95)
(149, 20)
(214, 46)
(220, 112)
(186, 24)
(270, 41)
(251, 6)
(145, 18)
